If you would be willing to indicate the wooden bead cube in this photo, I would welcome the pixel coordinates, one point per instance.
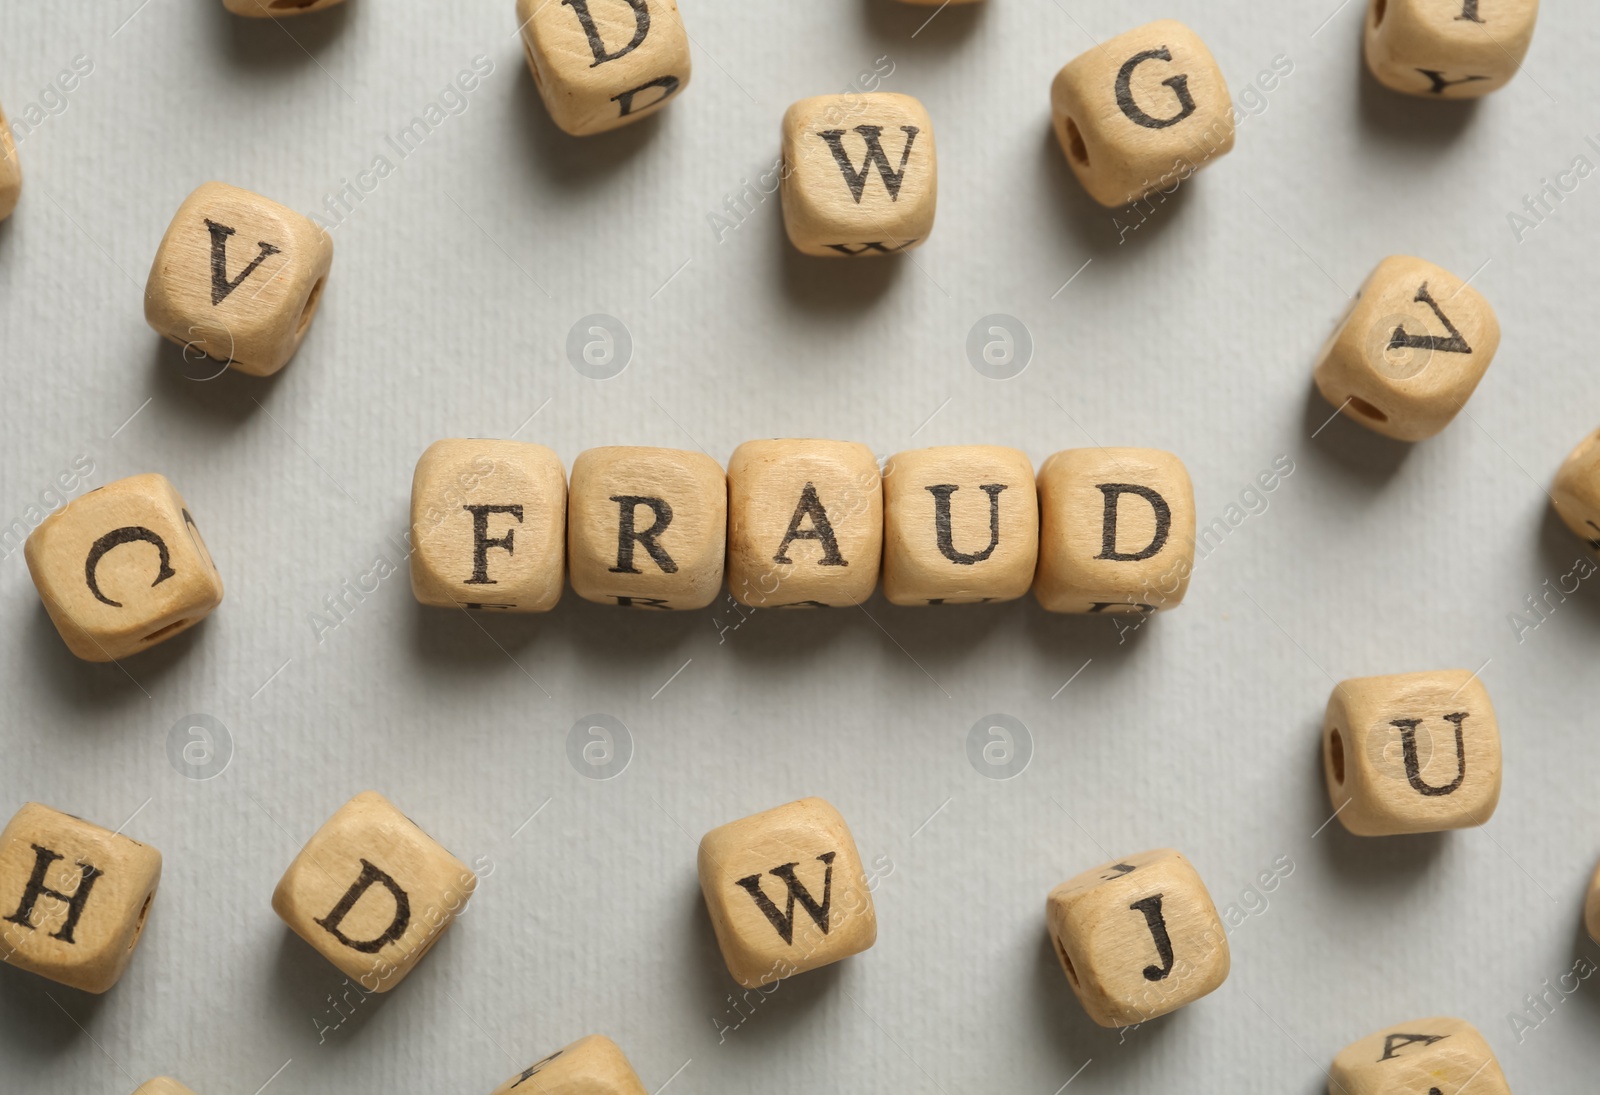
(1142, 112)
(238, 278)
(589, 1066)
(276, 9)
(600, 64)
(860, 175)
(489, 526)
(805, 523)
(163, 1085)
(1438, 1056)
(647, 528)
(1117, 531)
(786, 892)
(73, 897)
(10, 170)
(1411, 753)
(960, 525)
(1448, 49)
(122, 568)
(1576, 490)
(372, 893)
(1410, 350)
(1138, 937)
(1591, 907)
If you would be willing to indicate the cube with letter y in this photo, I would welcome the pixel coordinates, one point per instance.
(1448, 49)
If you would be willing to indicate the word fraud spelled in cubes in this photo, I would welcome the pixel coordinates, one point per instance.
(1418, 1058)
(372, 892)
(73, 897)
(122, 568)
(1448, 49)
(589, 1066)
(1137, 937)
(786, 892)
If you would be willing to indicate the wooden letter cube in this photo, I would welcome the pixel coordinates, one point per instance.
(123, 568)
(10, 170)
(238, 278)
(589, 1066)
(960, 525)
(805, 523)
(1410, 351)
(600, 64)
(1411, 753)
(276, 9)
(647, 528)
(1116, 531)
(1419, 1058)
(1138, 937)
(1142, 112)
(489, 526)
(73, 897)
(1448, 49)
(1591, 907)
(1576, 491)
(163, 1085)
(786, 892)
(371, 892)
(860, 176)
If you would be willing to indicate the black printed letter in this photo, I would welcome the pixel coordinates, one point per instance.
(1408, 743)
(627, 537)
(1151, 907)
(1399, 1041)
(481, 542)
(857, 180)
(397, 926)
(641, 18)
(220, 285)
(1179, 85)
(1108, 533)
(116, 538)
(941, 522)
(821, 530)
(42, 858)
(784, 921)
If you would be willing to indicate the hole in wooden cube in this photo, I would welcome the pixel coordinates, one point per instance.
(74, 897)
(600, 64)
(1412, 753)
(1117, 531)
(238, 278)
(860, 174)
(1142, 112)
(1137, 937)
(1576, 490)
(1415, 1058)
(122, 568)
(1448, 49)
(163, 1085)
(1411, 350)
(592, 1065)
(10, 170)
(786, 892)
(647, 528)
(805, 523)
(961, 525)
(372, 892)
(489, 526)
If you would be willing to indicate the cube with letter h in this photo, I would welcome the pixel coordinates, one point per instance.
(1439, 1056)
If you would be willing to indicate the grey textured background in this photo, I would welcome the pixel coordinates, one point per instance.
(454, 286)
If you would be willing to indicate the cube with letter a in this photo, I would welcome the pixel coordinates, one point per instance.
(1439, 1056)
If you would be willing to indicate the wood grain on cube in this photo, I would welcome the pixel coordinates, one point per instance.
(600, 64)
(1412, 753)
(1448, 49)
(489, 526)
(590, 1066)
(1117, 531)
(1142, 112)
(163, 1085)
(74, 897)
(1420, 1057)
(10, 170)
(805, 523)
(123, 568)
(1576, 490)
(372, 893)
(786, 892)
(1410, 350)
(647, 528)
(960, 525)
(860, 174)
(1591, 907)
(238, 278)
(1138, 937)
(277, 9)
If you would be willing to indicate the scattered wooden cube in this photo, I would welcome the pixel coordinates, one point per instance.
(489, 526)
(372, 892)
(1411, 349)
(600, 64)
(805, 523)
(1576, 491)
(786, 892)
(1448, 49)
(1591, 907)
(647, 528)
(860, 176)
(122, 568)
(1142, 112)
(238, 278)
(1411, 753)
(73, 897)
(276, 9)
(162, 1085)
(1117, 530)
(10, 170)
(960, 525)
(1419, 1058)
(589, 1066)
